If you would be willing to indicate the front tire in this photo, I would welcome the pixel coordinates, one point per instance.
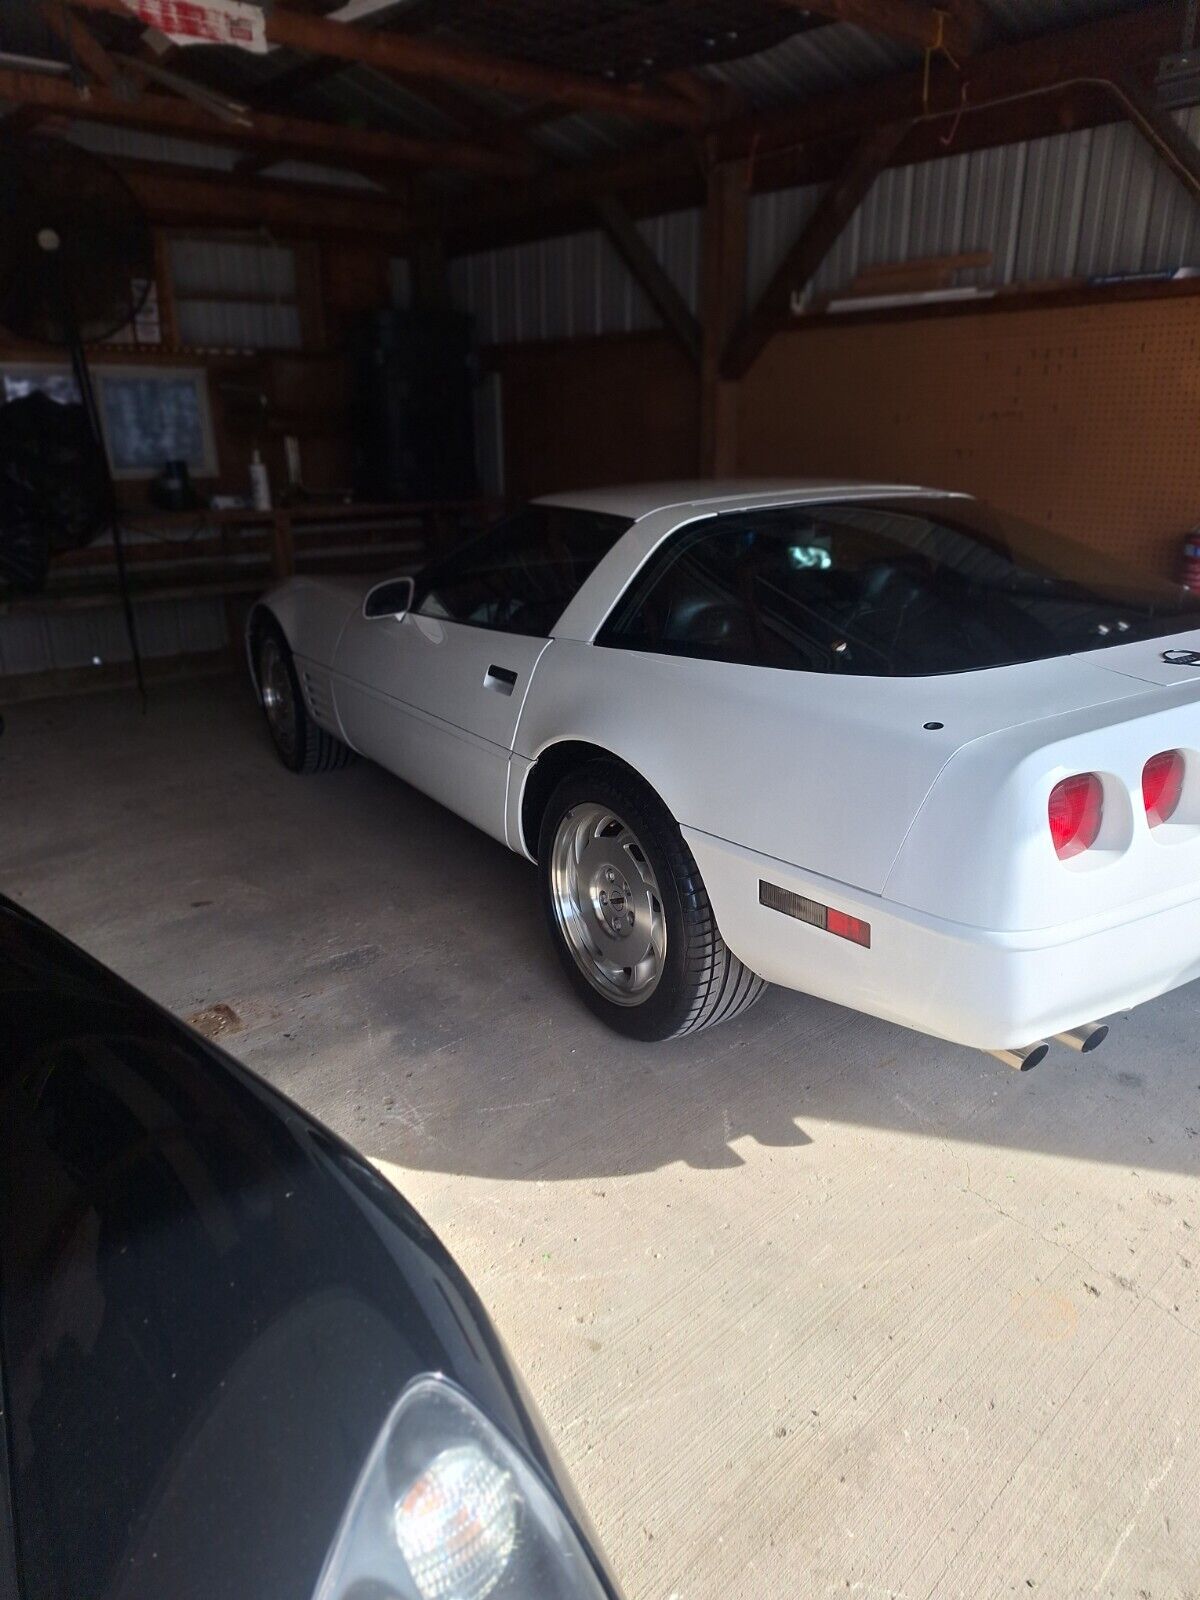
(300, 743)
(628, 911)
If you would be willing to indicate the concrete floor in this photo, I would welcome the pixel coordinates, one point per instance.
(812, 1305)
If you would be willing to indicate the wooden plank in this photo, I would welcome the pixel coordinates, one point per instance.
(951, 26)
(409, 55)
(648, 272)
(325, 141)
(82, 43)
(837, 205)
(723, 291)
(283, 550)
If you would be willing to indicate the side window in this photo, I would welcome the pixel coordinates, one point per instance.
(726, 589)
(519, 576)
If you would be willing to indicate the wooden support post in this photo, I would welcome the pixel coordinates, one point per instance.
(837, 205)
(723, 294)
(648, 272)
(430, 273)
(283, 546)
(164, 284)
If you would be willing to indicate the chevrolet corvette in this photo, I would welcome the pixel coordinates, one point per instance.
(875, 742)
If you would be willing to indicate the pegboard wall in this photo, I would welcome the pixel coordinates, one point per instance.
(1083, 418)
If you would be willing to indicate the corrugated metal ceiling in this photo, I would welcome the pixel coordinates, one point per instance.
(821, 60)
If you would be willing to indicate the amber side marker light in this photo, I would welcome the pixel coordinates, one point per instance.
(825, 918)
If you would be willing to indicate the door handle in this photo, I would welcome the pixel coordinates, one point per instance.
(501, 679)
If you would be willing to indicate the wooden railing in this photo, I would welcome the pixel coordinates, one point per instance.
(230, 556)
(182, 555)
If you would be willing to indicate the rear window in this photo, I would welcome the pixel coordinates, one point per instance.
(886, 588)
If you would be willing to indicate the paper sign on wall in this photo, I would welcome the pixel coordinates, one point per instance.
(206, 22)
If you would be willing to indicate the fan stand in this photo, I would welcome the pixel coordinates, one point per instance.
(49, 242)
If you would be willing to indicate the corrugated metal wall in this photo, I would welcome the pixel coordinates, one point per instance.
(1089, 203)
(36, 643)
(574, 286)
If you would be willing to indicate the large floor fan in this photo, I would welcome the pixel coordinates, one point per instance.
(76, 264)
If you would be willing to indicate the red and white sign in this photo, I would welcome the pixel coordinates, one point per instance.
(206, 22)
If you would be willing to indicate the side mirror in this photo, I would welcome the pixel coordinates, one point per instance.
(391, 598)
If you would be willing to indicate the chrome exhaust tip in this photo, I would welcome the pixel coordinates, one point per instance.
(1088, 1037)
(1024, 1057)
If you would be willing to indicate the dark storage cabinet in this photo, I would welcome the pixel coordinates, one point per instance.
(414, 430)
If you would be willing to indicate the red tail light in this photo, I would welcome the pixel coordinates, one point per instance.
(1162, 785)
(1076, 811)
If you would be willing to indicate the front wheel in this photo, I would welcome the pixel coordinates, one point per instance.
(628, 911)
(299, 742)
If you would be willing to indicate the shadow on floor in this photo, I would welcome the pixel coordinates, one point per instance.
(391, 971)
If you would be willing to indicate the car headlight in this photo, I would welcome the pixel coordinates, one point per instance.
(447, 1509)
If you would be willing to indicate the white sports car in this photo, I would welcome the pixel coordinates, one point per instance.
(873, 742)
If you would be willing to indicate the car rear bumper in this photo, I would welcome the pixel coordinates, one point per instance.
(976, 987)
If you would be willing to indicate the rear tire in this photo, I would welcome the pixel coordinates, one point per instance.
(300, 743)
(628, 912)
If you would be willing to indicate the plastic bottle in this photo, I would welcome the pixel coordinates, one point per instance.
(260, 482)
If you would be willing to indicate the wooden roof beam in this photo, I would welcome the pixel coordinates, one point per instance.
(83, 45)
(951, 25)
(417, 56)
(1092, 52)
(1160, 131)
(648, 272)
(329, 142)
(874, 152)
(189, 197)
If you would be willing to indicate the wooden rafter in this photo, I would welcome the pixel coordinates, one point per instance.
(837, 205)
(945, 25)
(82, 43)
(648, 272)
(722, 295)
(416, 56)
(1083, 56)
(318, 141)
(1161, 132)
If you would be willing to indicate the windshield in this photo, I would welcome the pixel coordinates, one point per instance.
(898, 587)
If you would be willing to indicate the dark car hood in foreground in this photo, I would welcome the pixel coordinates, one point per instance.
(209, 1303)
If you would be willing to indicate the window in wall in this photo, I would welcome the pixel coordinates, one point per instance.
(149, 414)
(235, 294)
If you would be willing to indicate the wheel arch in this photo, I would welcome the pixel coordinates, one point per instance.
(552, 765)
(261, 616)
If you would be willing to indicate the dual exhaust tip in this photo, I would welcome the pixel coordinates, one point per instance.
(1025, 1057)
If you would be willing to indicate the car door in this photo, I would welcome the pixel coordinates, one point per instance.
(435, 694)
(436, 702)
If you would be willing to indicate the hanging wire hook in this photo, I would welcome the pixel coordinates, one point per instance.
(937, 48)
